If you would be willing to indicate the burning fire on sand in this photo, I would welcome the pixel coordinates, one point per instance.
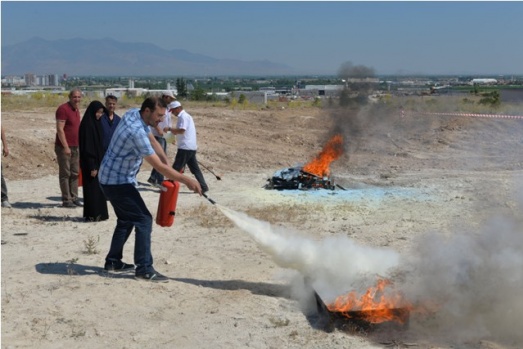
(374, 306)
(331, 151)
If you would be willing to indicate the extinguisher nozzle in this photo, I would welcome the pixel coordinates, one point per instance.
(210, 200)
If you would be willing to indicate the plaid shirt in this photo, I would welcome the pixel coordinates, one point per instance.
(129, 145)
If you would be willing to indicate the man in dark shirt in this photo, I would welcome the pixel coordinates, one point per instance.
(66, 148)
(109, 120)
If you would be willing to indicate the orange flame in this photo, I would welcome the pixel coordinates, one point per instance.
(374, 306)
(331, 151)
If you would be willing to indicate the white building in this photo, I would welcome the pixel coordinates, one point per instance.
(483, 81)
(13, 81)
(121, 91)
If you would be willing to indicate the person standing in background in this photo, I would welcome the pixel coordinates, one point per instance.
(185, 132)
(91, 155)
(156, 178)
(109, 120)
(66, 148)
(5, 152)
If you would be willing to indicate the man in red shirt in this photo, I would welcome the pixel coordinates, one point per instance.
(66, 148)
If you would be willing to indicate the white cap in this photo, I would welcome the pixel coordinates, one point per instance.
(169, 93)
(173, 105)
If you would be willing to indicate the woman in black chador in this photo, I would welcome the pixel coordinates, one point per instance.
(91, 154)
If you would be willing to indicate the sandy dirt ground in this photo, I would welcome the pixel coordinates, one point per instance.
(436, 199)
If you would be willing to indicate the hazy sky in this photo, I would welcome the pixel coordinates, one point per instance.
(391, 37)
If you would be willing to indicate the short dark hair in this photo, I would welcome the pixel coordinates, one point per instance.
(111, 97)
(71, 93)
(152, 103)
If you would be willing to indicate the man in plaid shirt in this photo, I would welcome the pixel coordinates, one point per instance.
(131, 143)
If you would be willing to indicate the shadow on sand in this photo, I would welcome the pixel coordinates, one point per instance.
(74, 269)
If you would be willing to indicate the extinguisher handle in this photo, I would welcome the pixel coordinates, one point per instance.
(162, 188)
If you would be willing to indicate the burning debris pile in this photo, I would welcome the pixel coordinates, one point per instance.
(297, 178)
(314, 175)
(372, 310)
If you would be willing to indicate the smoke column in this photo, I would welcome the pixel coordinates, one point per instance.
(333, 266)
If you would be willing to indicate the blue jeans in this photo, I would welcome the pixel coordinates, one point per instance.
(155, 175)
(131, 212)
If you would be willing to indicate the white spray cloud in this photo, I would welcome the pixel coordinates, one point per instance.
(474, 278)
(333, 266)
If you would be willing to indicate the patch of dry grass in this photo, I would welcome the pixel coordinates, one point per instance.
(465, 103)
(31, 101)
(209, 216)
(298, 214)
(45, 99)
(53, 100)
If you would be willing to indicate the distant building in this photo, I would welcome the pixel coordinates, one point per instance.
(324, 87)
(30, 79)
(248, 88)
(122, 91)
(54, 80)
(360, 80)
(483, 81)
(311, 91)
(160, 92)
(13, 81)
(256, 96)
(42, 80)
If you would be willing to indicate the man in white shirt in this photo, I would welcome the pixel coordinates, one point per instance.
(185, 132)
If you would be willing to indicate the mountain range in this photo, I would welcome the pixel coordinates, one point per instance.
(108, 57)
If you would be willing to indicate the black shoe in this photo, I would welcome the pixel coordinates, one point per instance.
(78, 202)
(153, 277)
(68, 204)
(94, 219)
(118, 266)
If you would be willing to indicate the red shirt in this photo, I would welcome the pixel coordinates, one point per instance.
(72, 124)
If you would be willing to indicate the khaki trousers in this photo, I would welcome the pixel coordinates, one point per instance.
(68, 167)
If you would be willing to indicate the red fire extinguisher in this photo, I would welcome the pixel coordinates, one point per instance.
(167, 203)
